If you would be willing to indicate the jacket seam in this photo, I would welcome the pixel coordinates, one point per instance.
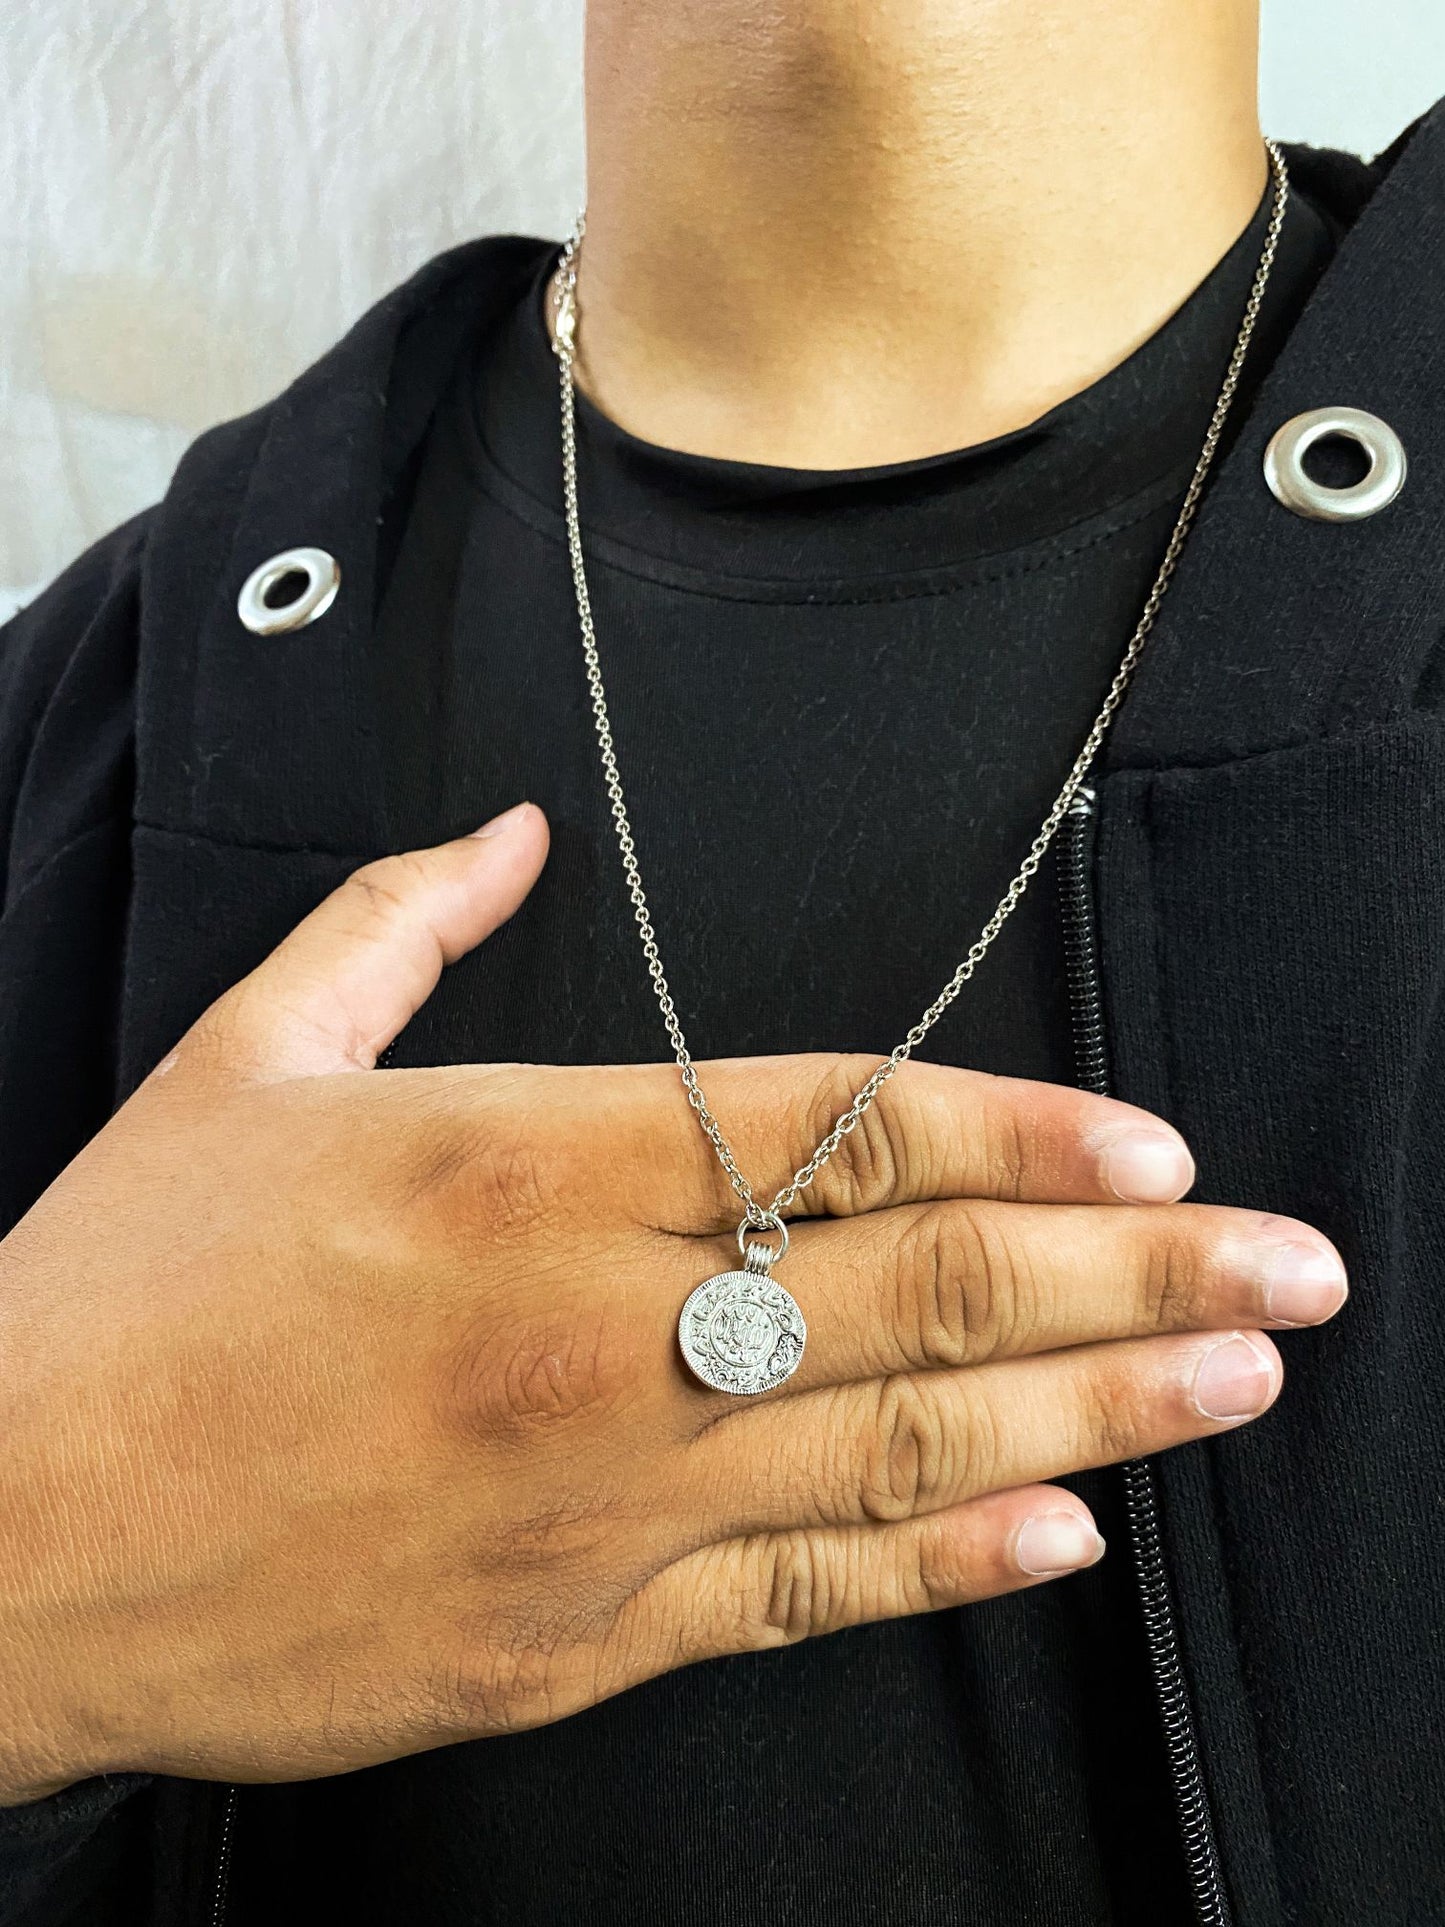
(261, 846)
(26, 879)
(1415, 720)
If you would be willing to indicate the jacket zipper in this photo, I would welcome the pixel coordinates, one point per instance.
(1161, 1631)
(220, 1886)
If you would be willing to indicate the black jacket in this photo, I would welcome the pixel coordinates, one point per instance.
(1268, 881)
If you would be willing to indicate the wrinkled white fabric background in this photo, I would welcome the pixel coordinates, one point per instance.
(200, 195)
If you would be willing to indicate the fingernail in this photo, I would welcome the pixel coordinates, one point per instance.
(1055, 1542)
(1147, 1167)
(1303, 1284)
(504, 822)
(1233, 1380)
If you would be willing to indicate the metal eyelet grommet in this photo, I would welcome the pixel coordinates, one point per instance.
(313, 598)
(1284, 467)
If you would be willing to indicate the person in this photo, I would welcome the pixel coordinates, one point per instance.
(376, 1545)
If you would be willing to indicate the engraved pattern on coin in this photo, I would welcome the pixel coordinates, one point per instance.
(740, 1332)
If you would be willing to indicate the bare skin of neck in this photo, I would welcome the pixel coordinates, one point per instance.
(835, 233)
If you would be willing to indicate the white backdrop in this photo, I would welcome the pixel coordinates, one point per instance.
(200, 195)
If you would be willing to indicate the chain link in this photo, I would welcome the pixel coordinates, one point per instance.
(769, 1216)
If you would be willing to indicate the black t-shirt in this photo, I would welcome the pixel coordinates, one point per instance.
(842, 703)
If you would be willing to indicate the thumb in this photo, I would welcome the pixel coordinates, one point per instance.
(353, 974)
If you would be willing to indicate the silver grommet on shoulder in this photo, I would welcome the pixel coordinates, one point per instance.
(288, 591)
(1284, 465)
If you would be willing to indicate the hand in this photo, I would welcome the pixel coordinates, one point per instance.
(344, 1414)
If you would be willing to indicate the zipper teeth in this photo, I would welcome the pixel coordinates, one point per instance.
(1080, 950)
(221, 1889)
(1161, 1632)
(1181, 1742)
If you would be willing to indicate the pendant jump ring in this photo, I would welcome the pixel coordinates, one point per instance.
(765, 1221)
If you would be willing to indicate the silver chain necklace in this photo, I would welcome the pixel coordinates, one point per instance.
(741, 1331)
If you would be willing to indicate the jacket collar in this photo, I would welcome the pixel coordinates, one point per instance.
(280, 734)
(1327, 626)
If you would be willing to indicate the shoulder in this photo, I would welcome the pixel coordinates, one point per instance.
(90, 663)
(67, 679)
(1341, 183)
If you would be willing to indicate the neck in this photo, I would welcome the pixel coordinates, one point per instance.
(834, 233)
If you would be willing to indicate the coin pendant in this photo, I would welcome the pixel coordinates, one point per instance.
(741, 1332)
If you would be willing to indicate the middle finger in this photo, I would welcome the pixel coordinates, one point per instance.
(957, 1283)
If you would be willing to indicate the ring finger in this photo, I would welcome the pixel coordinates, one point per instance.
(916, 1442)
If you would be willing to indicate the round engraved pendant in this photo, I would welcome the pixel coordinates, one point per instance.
(741, 1332)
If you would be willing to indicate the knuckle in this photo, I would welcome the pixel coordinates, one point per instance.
(1112, 1422)
(504, 1668)
(983, 1453)
(935, 1314)
(1174, 1281)
(379, 888)
(482, 1168)
(799, 1594)
(511, 1182)
(966, 1291)
(1011, 1148)
(905, 1458)
(513, 1380)
(871, 1160)
(570, 1535)
(934, 1576)
(1002, 1288)
(501, 1681)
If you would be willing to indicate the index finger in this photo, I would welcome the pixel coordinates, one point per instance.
(933, 1131)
